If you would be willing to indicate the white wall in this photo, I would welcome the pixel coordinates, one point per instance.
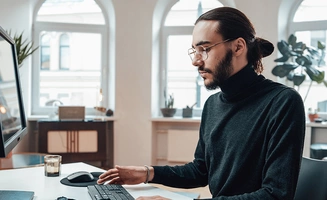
(264, 16)
(132, 63)
(132, 130)
(17, 17)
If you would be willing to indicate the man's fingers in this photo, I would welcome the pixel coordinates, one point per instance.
(107, 173)
(107, 178)
(113, 179)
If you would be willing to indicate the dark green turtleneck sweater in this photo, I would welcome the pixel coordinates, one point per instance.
(250, 142)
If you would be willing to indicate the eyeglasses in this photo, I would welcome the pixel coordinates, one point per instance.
(202, 51)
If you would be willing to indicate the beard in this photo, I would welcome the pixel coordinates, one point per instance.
(222, 71)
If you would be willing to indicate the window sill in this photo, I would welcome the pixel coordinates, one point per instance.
(175, 119)
(87, 117)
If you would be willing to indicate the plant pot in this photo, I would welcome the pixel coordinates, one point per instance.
(187, 112)
(168, 112)
(312, 117)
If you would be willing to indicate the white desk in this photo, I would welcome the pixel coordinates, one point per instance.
(50, 188)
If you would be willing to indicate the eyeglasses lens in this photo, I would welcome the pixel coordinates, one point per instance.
(197, 52)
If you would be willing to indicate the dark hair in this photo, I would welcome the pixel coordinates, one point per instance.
(234, 24)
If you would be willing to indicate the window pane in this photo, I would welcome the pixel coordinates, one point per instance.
(64, 52)
(182, 77)
(185, 12)
(45, 51)
(64, 57)
(311, 10)
(71, 11)
(80, 84)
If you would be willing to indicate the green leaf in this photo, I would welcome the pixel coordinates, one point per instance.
(285, 49)
(292, 40)
(298, 79)
(24, 48)
(303, 60)
(315, 74)
(290, 76)
(321, 45)
(315, 53)
(282, 59)
(299, 47)
(283, 70)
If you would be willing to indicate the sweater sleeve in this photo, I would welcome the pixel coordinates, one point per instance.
(286, 139)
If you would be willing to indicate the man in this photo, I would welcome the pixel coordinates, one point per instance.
(251, 133)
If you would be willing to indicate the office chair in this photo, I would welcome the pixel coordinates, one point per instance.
(312, 182)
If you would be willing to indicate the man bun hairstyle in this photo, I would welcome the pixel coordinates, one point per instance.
(234, 24)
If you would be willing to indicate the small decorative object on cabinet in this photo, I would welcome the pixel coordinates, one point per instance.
(109, 112)
(188, 111)
(312, 114)
(169, 110)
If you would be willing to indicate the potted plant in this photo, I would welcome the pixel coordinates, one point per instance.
(299, 60)
(168, 110)
(312, 114)
(24, 48)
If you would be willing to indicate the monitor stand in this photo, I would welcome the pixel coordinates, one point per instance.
(14, 195)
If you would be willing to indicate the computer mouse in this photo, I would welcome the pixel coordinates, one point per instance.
(80, 177)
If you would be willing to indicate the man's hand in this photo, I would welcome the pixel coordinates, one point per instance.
(125, 175)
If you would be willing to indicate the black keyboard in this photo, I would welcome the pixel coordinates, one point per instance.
(109, 191)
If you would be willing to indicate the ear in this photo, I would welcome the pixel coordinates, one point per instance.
(239, 46)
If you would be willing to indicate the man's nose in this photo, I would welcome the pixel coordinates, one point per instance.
(197, 61)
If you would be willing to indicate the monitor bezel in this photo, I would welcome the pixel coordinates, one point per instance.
(11, 143)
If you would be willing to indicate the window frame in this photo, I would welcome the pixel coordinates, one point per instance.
(165, 32)
(36, 109)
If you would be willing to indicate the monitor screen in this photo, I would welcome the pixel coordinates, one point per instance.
(12, 115)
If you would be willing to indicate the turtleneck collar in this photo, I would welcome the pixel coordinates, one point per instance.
(237, 85)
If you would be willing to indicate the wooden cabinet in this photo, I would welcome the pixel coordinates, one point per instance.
(77, 141)
(174, 140)
(315, 133)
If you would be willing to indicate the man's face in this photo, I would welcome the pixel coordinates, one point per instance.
(222, 71)
(217, 67)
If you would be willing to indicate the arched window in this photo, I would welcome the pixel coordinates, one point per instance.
(180, 77)
(64, 52)
(309, 24)
(73, 33)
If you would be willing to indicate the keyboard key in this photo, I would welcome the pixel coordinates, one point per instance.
(109, 192)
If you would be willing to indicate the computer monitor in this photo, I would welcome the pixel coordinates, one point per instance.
(12, 114)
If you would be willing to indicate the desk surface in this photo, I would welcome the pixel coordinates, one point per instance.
(50, 188)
